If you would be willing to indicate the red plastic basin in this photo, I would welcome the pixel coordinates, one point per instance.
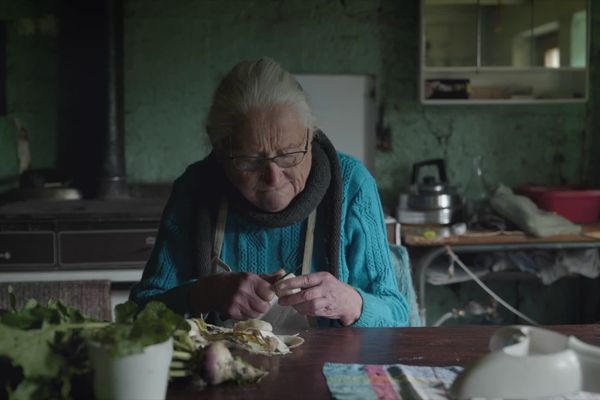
(581, 206)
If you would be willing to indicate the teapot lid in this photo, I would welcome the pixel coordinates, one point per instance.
(429, 185)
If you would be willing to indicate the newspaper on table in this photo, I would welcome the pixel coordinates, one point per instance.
(400, 381)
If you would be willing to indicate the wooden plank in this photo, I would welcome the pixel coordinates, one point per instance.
(591, 233)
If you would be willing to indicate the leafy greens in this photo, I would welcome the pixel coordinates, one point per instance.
(43, 351)
(135, 329)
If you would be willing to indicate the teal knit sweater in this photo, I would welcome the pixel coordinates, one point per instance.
(364, 256)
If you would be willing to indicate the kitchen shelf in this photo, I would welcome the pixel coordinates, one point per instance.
(463, 61)
(456, 102)
(543, 85)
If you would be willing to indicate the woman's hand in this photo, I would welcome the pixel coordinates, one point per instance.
(322, 295)
(238, 295)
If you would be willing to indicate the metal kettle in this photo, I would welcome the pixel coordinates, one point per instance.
(427, 192)
(430, 200)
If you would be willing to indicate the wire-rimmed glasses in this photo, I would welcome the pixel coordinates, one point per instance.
(255, 163)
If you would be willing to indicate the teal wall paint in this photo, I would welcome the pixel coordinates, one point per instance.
(175, 53)
(178, 53)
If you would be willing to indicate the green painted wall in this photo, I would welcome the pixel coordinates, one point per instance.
(178, 53)
(175, 52)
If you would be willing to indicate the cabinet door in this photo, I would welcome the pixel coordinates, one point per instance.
(506, 34)
(525, 33)
(27, 250)
(559, 33)
(504, 51)
(450, 33)
(105, 248)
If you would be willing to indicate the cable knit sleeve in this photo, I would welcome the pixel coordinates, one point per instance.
(366, 256)
(169, 271)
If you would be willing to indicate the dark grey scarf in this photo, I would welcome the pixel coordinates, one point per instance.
(324, 183)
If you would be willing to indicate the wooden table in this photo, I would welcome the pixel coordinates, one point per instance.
(590, 234)
(299, 375)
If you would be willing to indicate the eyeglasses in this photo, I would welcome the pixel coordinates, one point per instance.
(254, 163)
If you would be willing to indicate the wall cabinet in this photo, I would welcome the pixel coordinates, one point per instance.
(504, 51)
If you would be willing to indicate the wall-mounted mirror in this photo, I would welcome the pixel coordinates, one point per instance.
(505, 33)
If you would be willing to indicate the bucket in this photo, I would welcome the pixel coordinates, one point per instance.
(581, 206)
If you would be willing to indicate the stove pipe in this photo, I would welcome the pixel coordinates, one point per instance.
(113, 179)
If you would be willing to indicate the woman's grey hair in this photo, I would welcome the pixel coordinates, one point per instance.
(254, 84)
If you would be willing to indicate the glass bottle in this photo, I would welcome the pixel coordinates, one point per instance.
(476, 192)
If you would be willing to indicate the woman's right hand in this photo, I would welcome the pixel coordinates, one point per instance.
(237, 295)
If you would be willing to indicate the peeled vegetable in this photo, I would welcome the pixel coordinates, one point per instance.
(217, 365)
(213, 363)
(203, 352)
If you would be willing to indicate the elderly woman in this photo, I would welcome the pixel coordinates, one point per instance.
(273, 197)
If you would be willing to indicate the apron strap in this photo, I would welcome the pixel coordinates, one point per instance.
(307, 257)
(218, 265)
(309, 242)
(216, 262)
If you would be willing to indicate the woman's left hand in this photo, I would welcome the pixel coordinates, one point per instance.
(322, 295)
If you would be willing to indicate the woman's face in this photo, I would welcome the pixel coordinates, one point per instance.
(269, 132)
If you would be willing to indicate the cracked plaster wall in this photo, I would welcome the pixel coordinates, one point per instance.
(176, 51)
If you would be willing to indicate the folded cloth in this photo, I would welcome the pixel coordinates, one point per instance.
(401, 381)
(521, 211)
(391, 381)
(584, 262)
